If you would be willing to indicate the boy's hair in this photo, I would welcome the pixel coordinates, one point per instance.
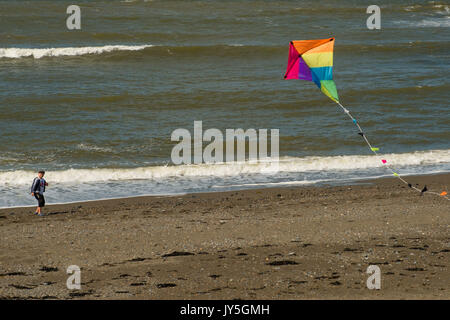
(42, 171)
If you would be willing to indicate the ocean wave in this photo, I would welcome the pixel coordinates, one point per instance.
(285, 165)
(158, 50)
(440, 22)
(436, 23)
(93, 148)
(441, 8)
(38, 53)
(237, 50)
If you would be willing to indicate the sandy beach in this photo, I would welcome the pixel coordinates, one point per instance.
(277, 243)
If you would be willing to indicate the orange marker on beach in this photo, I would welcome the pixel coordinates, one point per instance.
(443, 193)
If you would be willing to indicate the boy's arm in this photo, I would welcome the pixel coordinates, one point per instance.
(33, 186)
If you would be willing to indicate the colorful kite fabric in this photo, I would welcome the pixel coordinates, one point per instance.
(312, 60)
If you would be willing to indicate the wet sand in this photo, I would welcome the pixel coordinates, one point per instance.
(277, 243)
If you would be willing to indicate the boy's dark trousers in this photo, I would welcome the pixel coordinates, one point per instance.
(40, 198)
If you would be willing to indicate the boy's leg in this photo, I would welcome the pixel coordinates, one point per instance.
(37, 208)
(41, 203)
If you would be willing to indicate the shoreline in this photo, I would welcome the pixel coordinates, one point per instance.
(351, 182)
(274, 243)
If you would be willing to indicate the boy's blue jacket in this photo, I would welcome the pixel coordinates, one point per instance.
(35, 187)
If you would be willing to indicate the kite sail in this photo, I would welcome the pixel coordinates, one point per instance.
(312, 60)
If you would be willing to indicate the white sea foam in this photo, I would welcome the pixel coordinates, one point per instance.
(90, 147)
(38, 53)
(441, 8)
(412, 8)
(286, 165)
(438, 22)
(442, 22)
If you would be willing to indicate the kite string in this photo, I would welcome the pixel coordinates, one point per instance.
(374, 150)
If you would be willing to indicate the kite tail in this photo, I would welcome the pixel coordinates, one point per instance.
(443, 194)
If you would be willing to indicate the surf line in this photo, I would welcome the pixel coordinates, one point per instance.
(375, 150)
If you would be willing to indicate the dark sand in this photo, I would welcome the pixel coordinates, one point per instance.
(282, 243)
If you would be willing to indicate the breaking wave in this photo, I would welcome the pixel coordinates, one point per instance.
(285, 165)
(232, 50)
(38, 53)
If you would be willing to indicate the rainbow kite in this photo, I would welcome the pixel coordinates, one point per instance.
(312, 60)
